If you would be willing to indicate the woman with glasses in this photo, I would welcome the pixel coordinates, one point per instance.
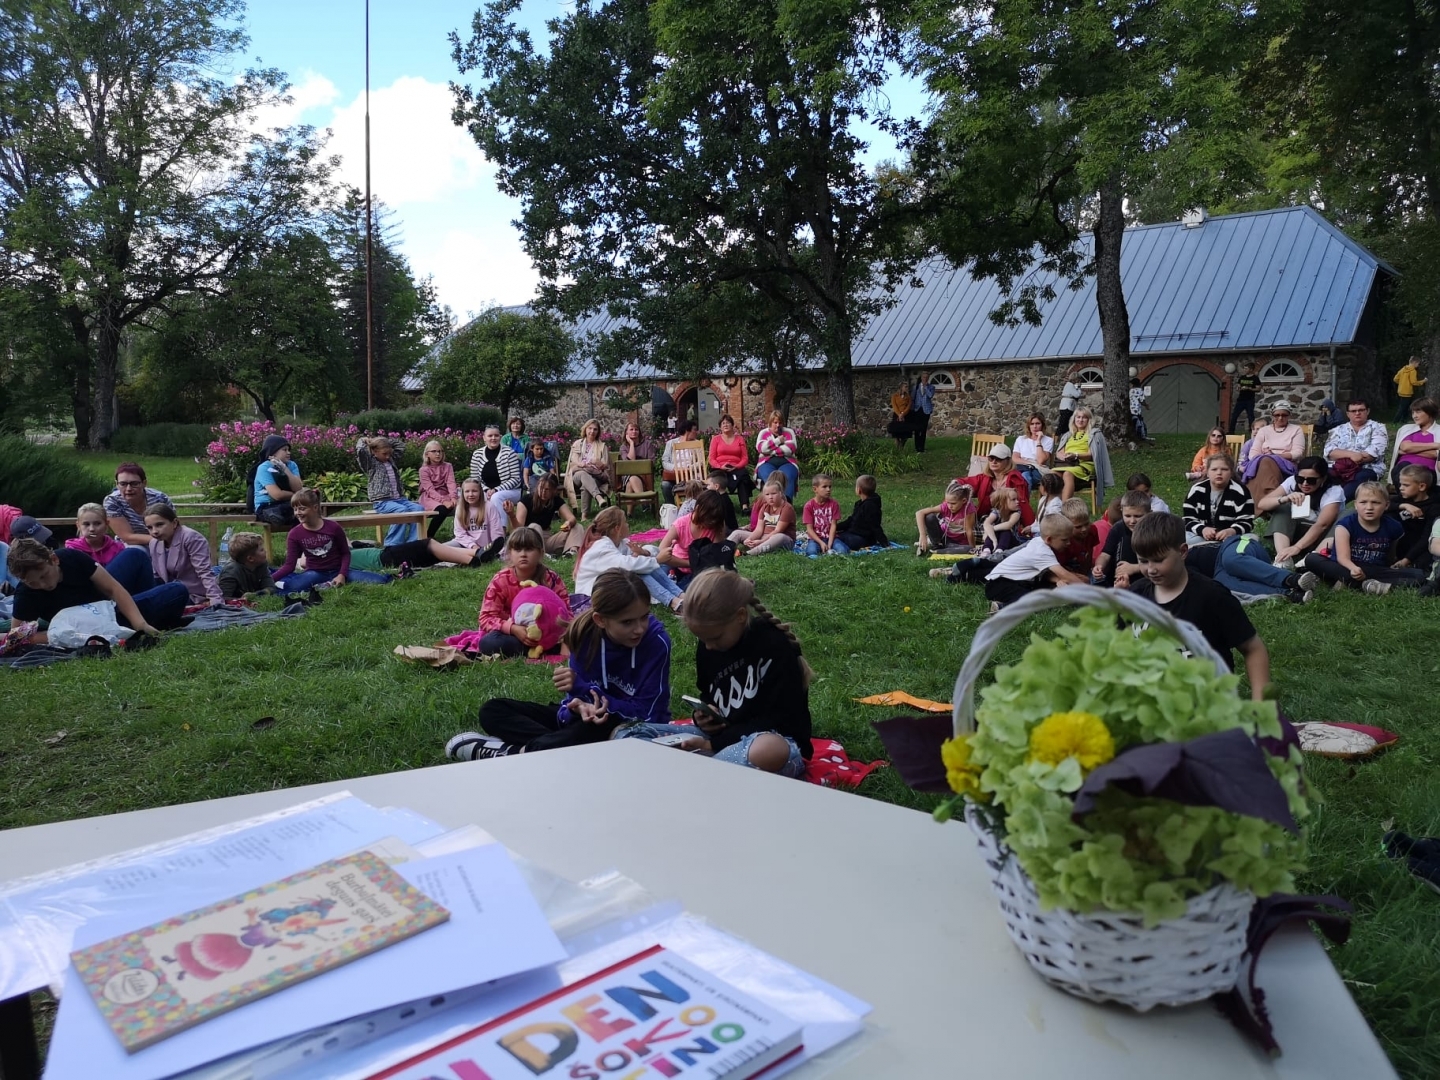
(1214, 444)
(1303, 510)
(125, 506)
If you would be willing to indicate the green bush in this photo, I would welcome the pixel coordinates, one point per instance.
(162, 440)
(460, 418)
(354, 486)
(44, 484)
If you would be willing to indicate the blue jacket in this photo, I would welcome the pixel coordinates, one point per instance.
(636, 682)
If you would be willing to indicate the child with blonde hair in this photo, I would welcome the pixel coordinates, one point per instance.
(1363, 555)
(179, 553)
(438, 492)
(950, 522)
(753, 680)
(605, 548)
(821, 517)
(1002, 525)
(376, 456)
(618, 672)
(93, 535)
(772, 522)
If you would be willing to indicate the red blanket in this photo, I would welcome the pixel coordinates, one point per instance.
(830, 766)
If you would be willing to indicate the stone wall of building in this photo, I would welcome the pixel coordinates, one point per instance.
(982, 397)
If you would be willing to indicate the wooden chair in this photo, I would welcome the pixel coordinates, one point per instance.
(1234, 444)
(981, 445)
(1309, 430)
(621, 470)
(690, 463)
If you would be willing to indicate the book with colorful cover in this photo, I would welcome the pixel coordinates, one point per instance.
(653, 1015)
(157, 981)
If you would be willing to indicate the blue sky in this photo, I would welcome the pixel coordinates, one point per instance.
(453, 223)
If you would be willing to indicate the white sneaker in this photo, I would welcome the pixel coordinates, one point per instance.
(1376, 588)
(1309, 581)
(939, 571)
(1286, 563)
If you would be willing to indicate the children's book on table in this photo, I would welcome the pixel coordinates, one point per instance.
(654, 1014)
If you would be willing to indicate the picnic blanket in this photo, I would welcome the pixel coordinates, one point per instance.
(900, 697)
(468, 641)
(831, 766)
(34, 656)
(649, 536)
(223, 618)
(873, 549)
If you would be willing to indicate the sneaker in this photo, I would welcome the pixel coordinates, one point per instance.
(1376, 588)
(1430, 588)
(994, 608)
(406, 571)
(1339, 586)
(313, 597)
(1309, 581)
(1286, 563)
(940, 571)
(1299, 596)
(472, 746)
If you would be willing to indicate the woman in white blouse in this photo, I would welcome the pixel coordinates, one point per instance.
(1031, 451)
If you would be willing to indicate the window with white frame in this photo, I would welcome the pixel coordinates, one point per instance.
(1282, 371)
(804, 386)
(942, 380)
(610, 393)
(1090, 378)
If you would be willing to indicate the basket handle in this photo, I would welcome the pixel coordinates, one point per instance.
(1121, 601)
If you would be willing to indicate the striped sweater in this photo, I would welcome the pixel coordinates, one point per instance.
(1235, 510)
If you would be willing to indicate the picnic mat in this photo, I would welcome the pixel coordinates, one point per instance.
(900, 697)
(649, 536)
(223, 618)
(831, 766)
(873, 549)
(467, 641)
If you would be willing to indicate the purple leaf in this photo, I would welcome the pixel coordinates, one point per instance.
(1226, 770)
(913, 743)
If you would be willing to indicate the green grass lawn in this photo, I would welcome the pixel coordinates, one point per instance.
(177, 724)
(174, 476)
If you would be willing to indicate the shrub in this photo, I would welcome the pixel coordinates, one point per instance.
(44, 484)
(353, 486)
(426, 418)
(162, 440)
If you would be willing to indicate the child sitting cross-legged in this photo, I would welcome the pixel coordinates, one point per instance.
(753, 680)
(1051, 485)
(1159, 541)
(1117, 566)
(821, 516)
(325, 547)
(93, 535)
(706, 523)
(1002, 524)
(247, 573)
(772, 523)
(1363, 555)
(618, 672)
(863, 528)
(951, 522)
(1417, 508)
(179, 553)
(1035, 566)
(525, 553)
(605, 547)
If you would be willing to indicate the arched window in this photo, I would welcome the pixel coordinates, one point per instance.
(1090, 378)
(942, 380)
(609, 394)
(1282, 371)
(804, 386)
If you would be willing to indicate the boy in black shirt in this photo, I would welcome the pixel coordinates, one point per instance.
(862, 528)
(1159, 542)
(51, 581)
(1417, 508)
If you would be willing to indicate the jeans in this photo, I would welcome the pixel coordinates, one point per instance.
(306, 580)
(163, 606)
(279, 514)
(6, 578)
(662, 587)
(398, 534)
(1362, 475)
(812, 548)
(789, 471)
(132, 571)
(1243, 565)
(737, 753)
(1031, 475)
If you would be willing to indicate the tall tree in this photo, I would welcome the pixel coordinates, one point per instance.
(1060, 114)
(406, 317)
(131, 170)
(660, 148)
(274, 332)
(502, 358)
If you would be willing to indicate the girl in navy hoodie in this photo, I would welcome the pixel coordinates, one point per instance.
(619, 673)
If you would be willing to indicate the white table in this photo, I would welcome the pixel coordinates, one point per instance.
(876, 899)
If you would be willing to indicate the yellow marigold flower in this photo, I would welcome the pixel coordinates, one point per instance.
(961, 774)
(1080, 735)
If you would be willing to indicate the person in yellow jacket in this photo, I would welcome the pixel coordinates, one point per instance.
(1406, 380)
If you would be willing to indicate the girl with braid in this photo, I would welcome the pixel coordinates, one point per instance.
(754, 681)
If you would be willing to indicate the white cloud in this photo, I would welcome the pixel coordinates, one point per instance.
(416, 154)
(474, 267)
(313, 91)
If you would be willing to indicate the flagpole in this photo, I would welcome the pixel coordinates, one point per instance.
(369, 224)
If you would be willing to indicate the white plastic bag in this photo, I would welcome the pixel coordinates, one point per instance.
(73, 626)
(668, 513)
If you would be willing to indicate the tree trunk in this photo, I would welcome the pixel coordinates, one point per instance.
(80, 384)
(1114, 318)
(107, 368)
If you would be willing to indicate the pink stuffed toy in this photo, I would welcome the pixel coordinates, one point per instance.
(543, 614)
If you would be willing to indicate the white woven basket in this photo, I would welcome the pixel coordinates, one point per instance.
(1107, 956)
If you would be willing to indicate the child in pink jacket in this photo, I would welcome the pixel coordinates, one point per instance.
(179, 553)
(525, 553)
(438, 492)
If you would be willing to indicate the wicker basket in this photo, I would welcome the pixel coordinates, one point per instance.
(1108, 956)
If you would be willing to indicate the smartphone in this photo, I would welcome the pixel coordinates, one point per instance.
(671, 740)
(695, 701)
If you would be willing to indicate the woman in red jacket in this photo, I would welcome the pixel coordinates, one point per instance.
(730, 455)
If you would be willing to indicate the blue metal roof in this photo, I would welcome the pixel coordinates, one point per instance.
(1274, 279)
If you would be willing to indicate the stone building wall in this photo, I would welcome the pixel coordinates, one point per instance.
(986, 397)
